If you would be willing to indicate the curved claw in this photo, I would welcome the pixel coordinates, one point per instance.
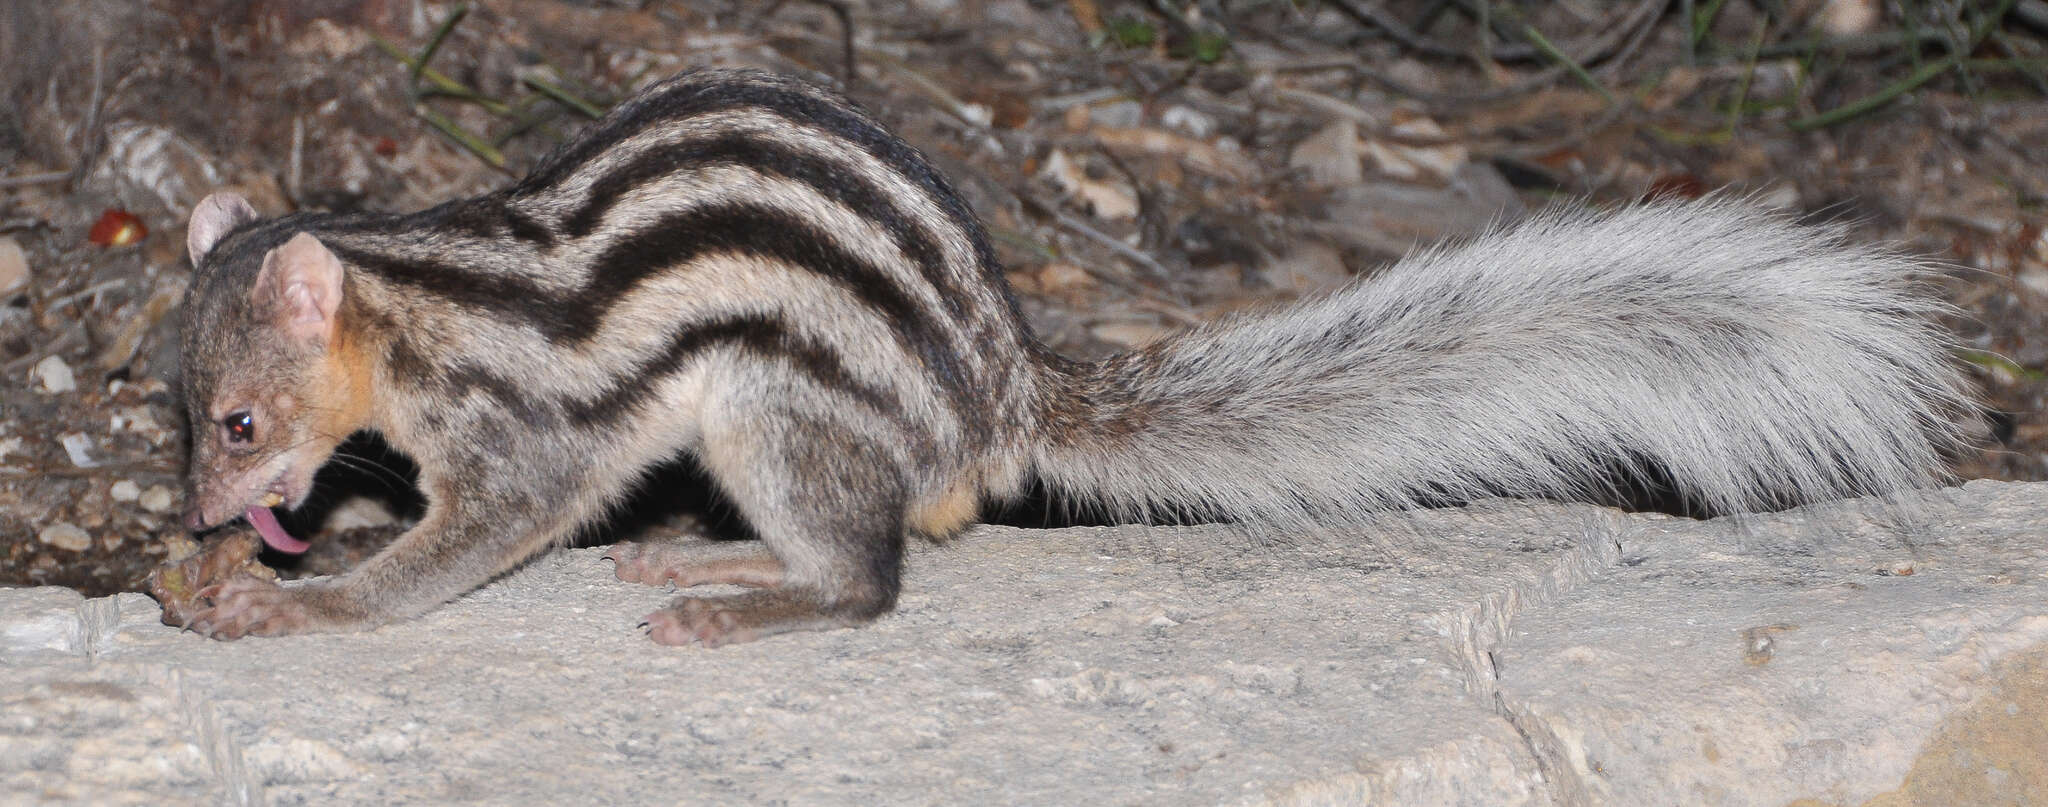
(246, 605)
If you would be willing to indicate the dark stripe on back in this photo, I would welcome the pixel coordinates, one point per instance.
(771, 233)
(488, 217)
(743, 150)
(676, 240)
(483, 292)
(463, 377)
(703, 93)
(762, 336)
(525, 228)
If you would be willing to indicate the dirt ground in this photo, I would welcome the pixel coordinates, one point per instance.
(1142, 165)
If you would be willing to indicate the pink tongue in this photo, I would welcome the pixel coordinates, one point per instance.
(273, 533)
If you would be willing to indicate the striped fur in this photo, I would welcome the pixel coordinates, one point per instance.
(748, 268)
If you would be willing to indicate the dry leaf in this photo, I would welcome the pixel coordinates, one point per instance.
(1404, 161)
(1107, 200)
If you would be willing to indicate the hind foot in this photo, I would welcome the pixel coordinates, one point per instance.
(716, 621)
(696, 563)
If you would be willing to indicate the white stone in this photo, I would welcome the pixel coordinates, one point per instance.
(157, 499)
(125, 491)
(78, 447)
(1188, 120)
(1124, 114)
(66, 535)
(13, 265)
(54, 376)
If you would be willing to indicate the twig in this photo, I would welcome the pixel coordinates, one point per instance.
(1698, 21)
(1851, 45)
(1691, 39)
(1578, 71)
(141, 466)
(1369, 13)
(1115, 245)
(1890, 93)
(1060, 103)
(294, 171)
(463, 138)
(97, 288)
(440, 82)
(1727, 130)
(1333, 106)
(563, 97)
(441, 33)
(839, 10)
(1152, 227)
(1619, 59)
(34, 179)
(845, 37)
(935, 92)
(1023, 242)
(65, 342)
(1532, 151)
(1874, 100)
(1629, 34)
(89, 151)
(2027, 67)
(1994, 361)
(525, 121)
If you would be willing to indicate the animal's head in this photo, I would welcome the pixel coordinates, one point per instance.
(268, 382)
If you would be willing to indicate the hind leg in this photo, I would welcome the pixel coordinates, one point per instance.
(829, 506)
(695, 562)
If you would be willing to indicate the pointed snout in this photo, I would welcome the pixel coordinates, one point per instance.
(195, 518)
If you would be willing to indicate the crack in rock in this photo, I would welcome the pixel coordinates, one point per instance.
(1472, 632)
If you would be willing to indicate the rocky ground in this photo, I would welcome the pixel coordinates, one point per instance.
(1853, 653)
(1141, 165)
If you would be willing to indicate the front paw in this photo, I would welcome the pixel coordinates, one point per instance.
(249, 606)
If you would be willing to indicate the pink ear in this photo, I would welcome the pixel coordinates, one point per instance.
(212, 219)
(301, 281)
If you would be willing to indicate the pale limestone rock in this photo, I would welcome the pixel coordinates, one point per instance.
(157, 499)
(66, 535)
(54, 376)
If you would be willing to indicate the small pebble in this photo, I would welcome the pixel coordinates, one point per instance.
(1330, 156)
(55, 376)
(157, 499)
(64, 535)
(125, 491)
(1188, 120)
(79, 447)
(13, 265)
(1118, 114)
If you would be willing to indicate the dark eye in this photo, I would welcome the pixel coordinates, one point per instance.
(240, 429)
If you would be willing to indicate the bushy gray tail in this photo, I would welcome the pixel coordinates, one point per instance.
(1745, 360)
